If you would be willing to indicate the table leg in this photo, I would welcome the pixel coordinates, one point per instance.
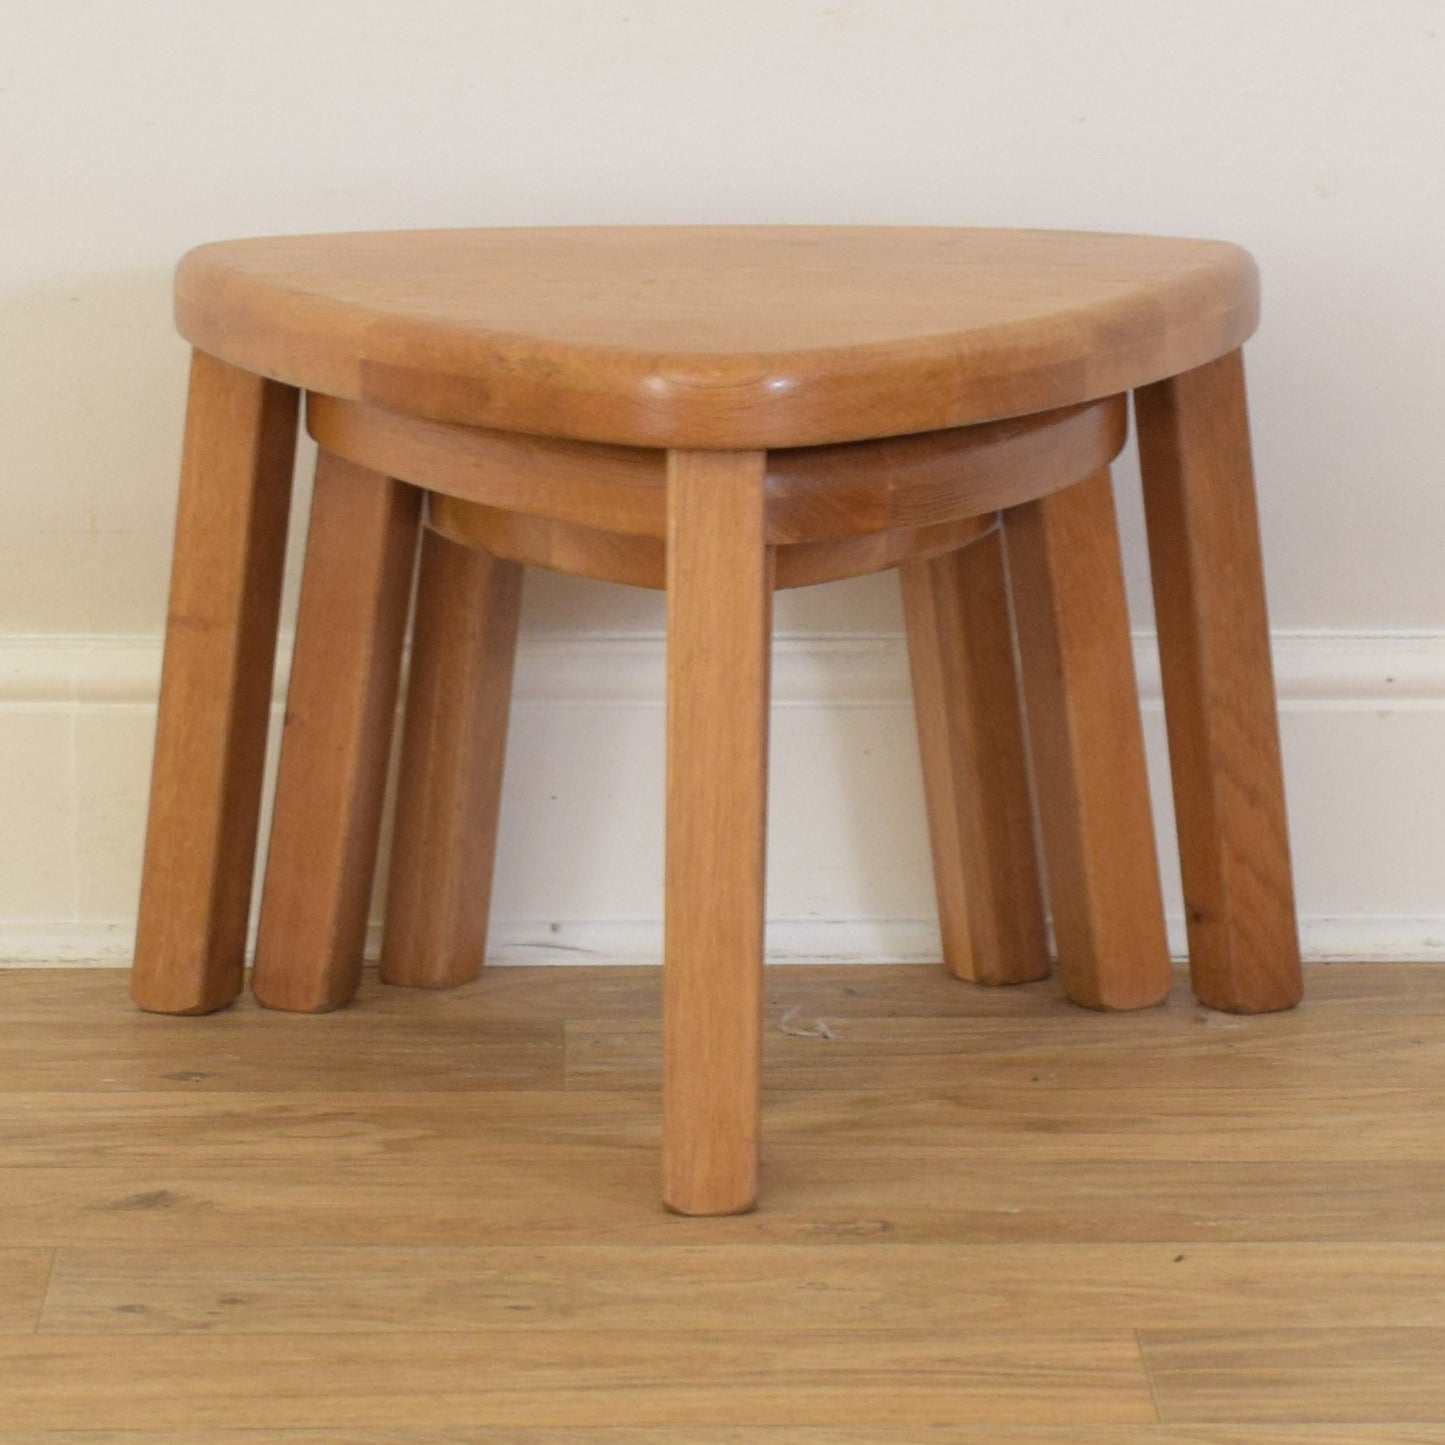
(355, 588)
(975, 764)
(719, 623)
(215, 698)
(449, 792)
(1088, 748)
(1219, 698)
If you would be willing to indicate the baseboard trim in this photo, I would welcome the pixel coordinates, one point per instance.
(1312, 668)
(1363, 751)
(1361, 939)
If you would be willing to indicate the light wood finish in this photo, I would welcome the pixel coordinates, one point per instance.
(720, 1376)
(725, 410)
(813, 493)
(589, 484)
(775, 1435)
(1081, 1110)
(719, 627)
(1344, 1373)
(215, 689)
(1088, 748)
(413, 1266)
(919, 1058)
(569, 547)
(803, 564)
(891, 1197)
(449, 792)
(925, 1055)
(1204, 549)
(571, 1289)
(642, 561)
(337, 739)
(975, 768)
(703, 337)
(24, 1280)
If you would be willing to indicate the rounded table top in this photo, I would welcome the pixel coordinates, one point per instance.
(718, 336)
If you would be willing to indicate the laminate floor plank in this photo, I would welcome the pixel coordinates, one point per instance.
(1333, 1375)
(571, 1378)
(253, 1052)
(1339, 1121)
(1158, 1048)
(24, 1276)
(364, 1051)
(655, 1286)
(764, 1435)
(561, 1194)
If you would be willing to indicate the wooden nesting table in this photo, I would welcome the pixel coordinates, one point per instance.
(718, 412)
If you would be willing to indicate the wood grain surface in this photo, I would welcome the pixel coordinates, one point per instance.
(990, 1218)
(719, 650)
(1090, 778)
(975, 764)
(336, 741)
(814, 494)
(705, 336)
(449, 784)
(1219, 695)
(642, 561)
(215, 703)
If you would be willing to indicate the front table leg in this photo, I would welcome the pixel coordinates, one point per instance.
(719, 624)
(1219, 700)
(215, 700)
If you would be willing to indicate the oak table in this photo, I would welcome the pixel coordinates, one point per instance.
(718, 412)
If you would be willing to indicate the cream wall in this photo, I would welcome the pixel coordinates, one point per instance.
(1312, 131)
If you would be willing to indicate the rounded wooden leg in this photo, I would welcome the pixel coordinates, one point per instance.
(975, 765)
(444, 840)
(344, 672)
(1219, 697)
(719, 623)
(215, 690)
(1088, 748)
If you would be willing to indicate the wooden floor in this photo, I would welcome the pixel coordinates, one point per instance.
(988, 1217)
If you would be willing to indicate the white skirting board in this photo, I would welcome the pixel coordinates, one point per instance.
(580, 875)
